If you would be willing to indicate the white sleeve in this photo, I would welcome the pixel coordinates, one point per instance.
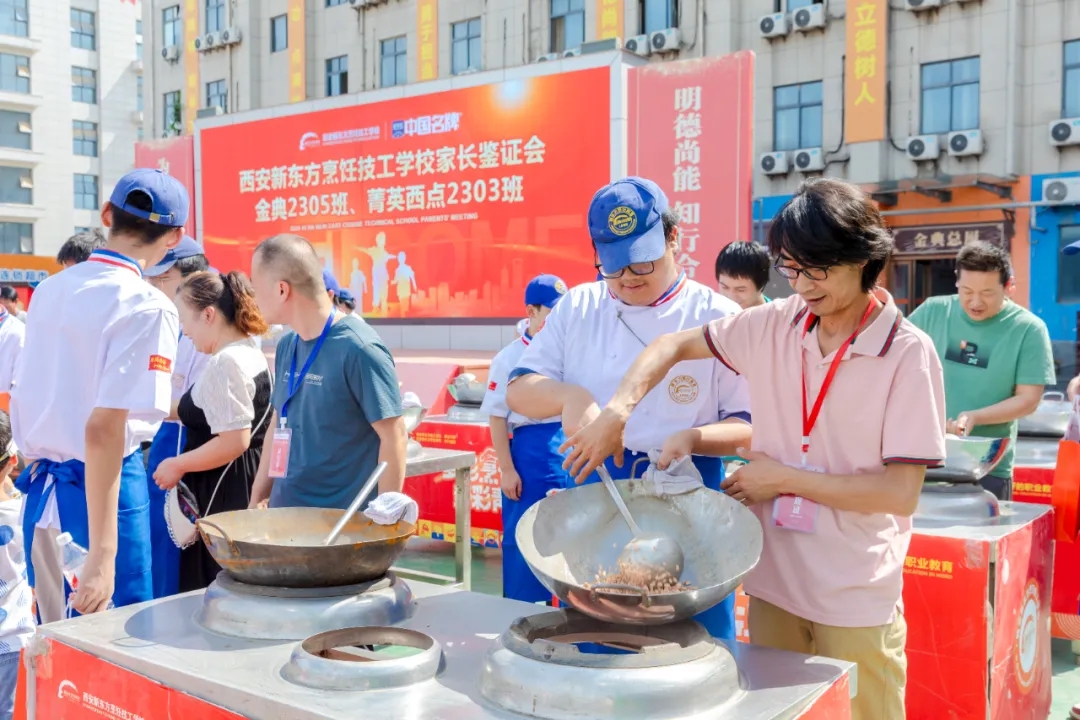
(494, 404)
(544, 355)
(139, 353)
(226, 395)
(11, 345)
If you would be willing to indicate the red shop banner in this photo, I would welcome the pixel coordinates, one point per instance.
(691, 131)
(439, 205)
(175, 156)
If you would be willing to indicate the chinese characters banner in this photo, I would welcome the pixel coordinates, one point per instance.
(609, 19)
(864, 71)
(440, 205)
(691, 131)
(427, 34)
(175, 156)
(296, 28)
(191, 65)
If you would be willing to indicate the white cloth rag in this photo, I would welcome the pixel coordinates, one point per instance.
(681, 476)
(393, 507)
(410, 400)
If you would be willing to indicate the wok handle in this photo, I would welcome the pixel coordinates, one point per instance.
(1054, 395)
(232, 546)
(646, 599)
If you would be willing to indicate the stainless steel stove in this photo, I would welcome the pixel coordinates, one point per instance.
(946, 503)
(466, 413)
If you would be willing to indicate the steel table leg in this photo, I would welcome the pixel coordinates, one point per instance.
(463, 530)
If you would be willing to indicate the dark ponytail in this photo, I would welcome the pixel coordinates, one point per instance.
(231, 293)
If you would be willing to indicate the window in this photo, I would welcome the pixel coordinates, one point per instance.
(138, 40)
(172, 120)
(139, 133)
(1070, 84)
(217, 95)
(950, 96)
(215, 15)
(14, 18)
(466, 46)
(797, 116)
(332, 3)
(657, 15)
(337, 75)
(567, 24)
(15, 130)
(86, 192)
(796, 4)
(17, 238)
(16, 186)
(84, 85)
(170, 26)
(82, 29)
(139, 93)
(1068, 275)
(279, 33)
(393, 55)
(84, 138)
(81, 229)
(15, 73)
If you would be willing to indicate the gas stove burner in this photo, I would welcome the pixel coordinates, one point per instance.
(258, 612)
(544, 666)
(944, 504)
(364, 658)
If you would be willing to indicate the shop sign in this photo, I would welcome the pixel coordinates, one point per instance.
(948, 239)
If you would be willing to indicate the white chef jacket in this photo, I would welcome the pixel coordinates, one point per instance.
(498, 374)
(189, 365)
(12, 336)
(591, 338)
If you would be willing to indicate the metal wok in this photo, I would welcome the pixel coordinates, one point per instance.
(569, 537)
(1050, 418)
(282, 547)
(968, 459)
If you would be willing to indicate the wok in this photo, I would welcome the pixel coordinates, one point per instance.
(467, 389)
(569, 537)
(282, 547)
(968, 459)
(1050, 418)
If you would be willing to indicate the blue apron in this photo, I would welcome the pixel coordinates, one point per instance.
(133, 582)
(535, 451)
(165, 567)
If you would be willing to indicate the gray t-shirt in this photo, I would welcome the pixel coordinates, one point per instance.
(351, 384)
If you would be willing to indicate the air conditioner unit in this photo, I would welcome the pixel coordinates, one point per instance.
(208, 41)
(809, 160)
(920, 5)
(809, 18)
(663, 41)
(923, 147)
(572, 52)
(964, 143)
(549, 56)
(137, 65)
(1065, 131)
(171, 53)
(775, 25)
(1064, 191)
(774, 163)
(137, 117)
(26, 182)
(639, 45)
(212, 111)
(231, 36)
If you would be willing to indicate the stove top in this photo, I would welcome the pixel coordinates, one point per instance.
(944, 504)
(465, 412)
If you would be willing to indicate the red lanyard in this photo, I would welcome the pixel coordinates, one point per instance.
(810, 420)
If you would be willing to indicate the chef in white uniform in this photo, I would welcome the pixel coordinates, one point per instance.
(12, 337)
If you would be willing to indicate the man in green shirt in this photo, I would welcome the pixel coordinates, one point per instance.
(996, 355)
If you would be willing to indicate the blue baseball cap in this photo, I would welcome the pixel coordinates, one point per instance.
(187, 247)
(168, 196)
(544, 290)
(330, 281)
(345, 295)
(625, 223)
(1072, 249)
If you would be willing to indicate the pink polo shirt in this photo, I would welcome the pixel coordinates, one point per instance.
(886, 405)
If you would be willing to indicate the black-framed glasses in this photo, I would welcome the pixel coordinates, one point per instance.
(641, 268)
(812, 273)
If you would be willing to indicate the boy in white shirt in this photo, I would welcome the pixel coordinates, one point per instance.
(16, 605)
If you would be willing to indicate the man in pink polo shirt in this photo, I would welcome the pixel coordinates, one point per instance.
(851, 407)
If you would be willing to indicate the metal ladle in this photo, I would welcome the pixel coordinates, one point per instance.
(651, 554)
(355, 505)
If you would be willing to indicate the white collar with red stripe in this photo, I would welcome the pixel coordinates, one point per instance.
(669, 294)
(115, 259)
(526, 338)
(3, 315)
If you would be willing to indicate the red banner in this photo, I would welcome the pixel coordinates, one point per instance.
(175, 156)
(691, 131)
(440, 205)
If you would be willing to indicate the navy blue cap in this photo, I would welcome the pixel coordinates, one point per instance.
(330, 281)
(345, 295)
(187, 247)
(544, 290)
(1072, 249)
(625, 223)
(168, 196)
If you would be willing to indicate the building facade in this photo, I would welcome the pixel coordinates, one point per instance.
(70, 114)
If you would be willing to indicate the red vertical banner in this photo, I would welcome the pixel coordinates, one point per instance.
(691, 131)
(175, 156)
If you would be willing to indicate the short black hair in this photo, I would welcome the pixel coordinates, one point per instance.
(829, 222)
(670, 220)
(124, 223)
(342, 302)
(77, 248)
(8, 293)
(191, 265)
(981, 256)
(745, 260)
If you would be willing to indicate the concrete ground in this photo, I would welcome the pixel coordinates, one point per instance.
(438, 557)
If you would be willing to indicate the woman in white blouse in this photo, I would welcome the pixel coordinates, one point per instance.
(226, 411)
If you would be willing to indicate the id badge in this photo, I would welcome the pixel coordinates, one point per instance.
(279, 453)
(792, 512)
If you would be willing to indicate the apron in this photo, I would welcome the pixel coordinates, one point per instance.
(165, 565)
(535, 451)
(133, 580)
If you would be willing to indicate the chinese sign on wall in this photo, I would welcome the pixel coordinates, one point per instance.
(609, 19)
(173, 156)
(427, 39)
(297, 52)
(690, 131)
(864, 71)
(191, 65)
(948, 239)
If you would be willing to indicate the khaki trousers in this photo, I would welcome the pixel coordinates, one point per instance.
(877, 651)
(48, 564)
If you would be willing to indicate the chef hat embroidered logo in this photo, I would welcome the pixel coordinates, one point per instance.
(622, 221)
(560, 287)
